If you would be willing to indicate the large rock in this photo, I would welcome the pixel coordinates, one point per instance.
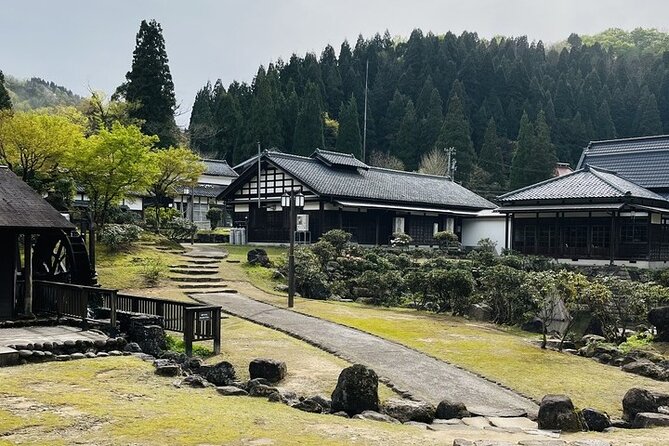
(638, 400)
(659, 317)
(644, 367)
(357, 390)
(407, 410)
(221, 374)
(270, 369)
(480, 312)
(596, 420)
(231, 391)
(168, 370)
(447, 410)
(650, 419)
(149, 335)
(534, 325)
(557, 412)
(375, 416)
(313, 404)
(258, 256)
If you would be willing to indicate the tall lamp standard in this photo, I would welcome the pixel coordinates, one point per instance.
(191, 193)
(293, 201)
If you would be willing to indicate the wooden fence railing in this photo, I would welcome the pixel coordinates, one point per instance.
(196, 322)
(66, 299)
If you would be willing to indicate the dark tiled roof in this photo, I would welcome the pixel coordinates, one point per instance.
(377, 184)
(218, 168)
(339, 159)
(586, 183)
(22, 207)
(643, 160)
(206, 190)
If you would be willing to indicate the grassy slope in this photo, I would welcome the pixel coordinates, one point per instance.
(503, 355)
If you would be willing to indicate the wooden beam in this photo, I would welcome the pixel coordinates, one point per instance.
(28, 274)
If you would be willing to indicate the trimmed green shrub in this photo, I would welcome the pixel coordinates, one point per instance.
(400, 240)
(385, 288)
(214, 215)
(119, 237)
(337, 238)
(446, 239)
(179, 229)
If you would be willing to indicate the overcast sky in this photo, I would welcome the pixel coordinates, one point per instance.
(84, 44)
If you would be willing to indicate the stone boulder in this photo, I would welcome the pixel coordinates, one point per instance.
(659, 317)
(168, 370)
(638, 400)
(231, 391)
(262, 390)
(557, 412)
(313, 404)
(596, 420)
(259, 257)
(407, 410)
(270, 369)
(221, 374)
(645, 367)
(480, 312)
(375, 416)
(447, 410)
(357, 390)
(534, 325)
(650, 419)
(149, 335)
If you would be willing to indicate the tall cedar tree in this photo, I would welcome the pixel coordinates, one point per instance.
(348, 139)
(309, 126)
(406, 141)
(520, 176)
(202, 129)
(542, 162)
(455, 133)
(5, 100)
(149, 85)
(490, 159)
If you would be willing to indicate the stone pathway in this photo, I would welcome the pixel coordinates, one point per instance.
(60, 333)
(409, 371)
(197, 272)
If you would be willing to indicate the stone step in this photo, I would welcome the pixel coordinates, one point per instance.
(185, 286)
(194, 272)
(8, 356)
(205, 256)
(196, 266)
(202, 262)
(233, 261)
(196, 279)
(223, 291)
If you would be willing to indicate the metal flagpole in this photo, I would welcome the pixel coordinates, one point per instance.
(364, 126)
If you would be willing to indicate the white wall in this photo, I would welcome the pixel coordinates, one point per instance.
(213, 179)
(475, 229)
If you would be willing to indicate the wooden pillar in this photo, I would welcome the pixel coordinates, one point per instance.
(28, 274)
(612, 238)
(377, 230)
(91, 242)
(506, 232)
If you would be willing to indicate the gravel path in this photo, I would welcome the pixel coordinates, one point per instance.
(409, 371)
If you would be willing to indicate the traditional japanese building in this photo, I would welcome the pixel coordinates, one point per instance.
(342, 192)
(589, 216)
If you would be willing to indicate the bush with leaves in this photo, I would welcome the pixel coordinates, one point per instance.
(337, 238)
(155, 216)
(310, 280)
(179, 229)
(502, 288)
(452, 289)
(446, 239)
(325, 251)
(214, 215)
(400, 240)
(152, 270)
(385, 288)
(119, 237)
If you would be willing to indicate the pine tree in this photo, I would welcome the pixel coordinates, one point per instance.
(228, 125)
(490, 158)
(541, 163)
(349, 139)
(263, 123)
(202, 129)
(431, 121)
(149, 85)
(406, 141)
(648, 116)
(5, 100)
(605, 128)
(309, 126)
(455, 133)
(519, 166)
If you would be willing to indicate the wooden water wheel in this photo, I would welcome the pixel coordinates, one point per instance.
(62, 257)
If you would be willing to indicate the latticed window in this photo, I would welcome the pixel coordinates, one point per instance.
(601, 236)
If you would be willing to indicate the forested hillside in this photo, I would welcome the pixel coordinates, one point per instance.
(446, 91)
(38, 93)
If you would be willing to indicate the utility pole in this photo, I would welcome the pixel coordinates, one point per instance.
(364, 125)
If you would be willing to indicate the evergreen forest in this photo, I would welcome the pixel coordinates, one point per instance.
(509, 108)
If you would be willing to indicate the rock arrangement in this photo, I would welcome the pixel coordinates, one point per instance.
(70, 349)
(659, 317)
(640, 362)
(643, 408)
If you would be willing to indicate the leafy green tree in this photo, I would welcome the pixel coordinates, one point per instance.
(490, 158)
(149, 84)
(111, 165)
(176, 167)
(5, 100)
(309, 127)
(102, 113)
(348, 139)
(455, 133)
(33, 144)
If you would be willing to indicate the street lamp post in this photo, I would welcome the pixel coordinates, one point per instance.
(190, 192)
(293, 201)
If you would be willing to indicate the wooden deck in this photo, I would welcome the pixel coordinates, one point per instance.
(59, 333)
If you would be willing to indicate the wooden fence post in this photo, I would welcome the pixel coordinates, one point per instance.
(217, 330)
(83, 298)
(188, 330)
(112, 311)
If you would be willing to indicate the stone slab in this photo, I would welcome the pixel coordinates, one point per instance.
(513, 423)
(479, 422)
(59, 333)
